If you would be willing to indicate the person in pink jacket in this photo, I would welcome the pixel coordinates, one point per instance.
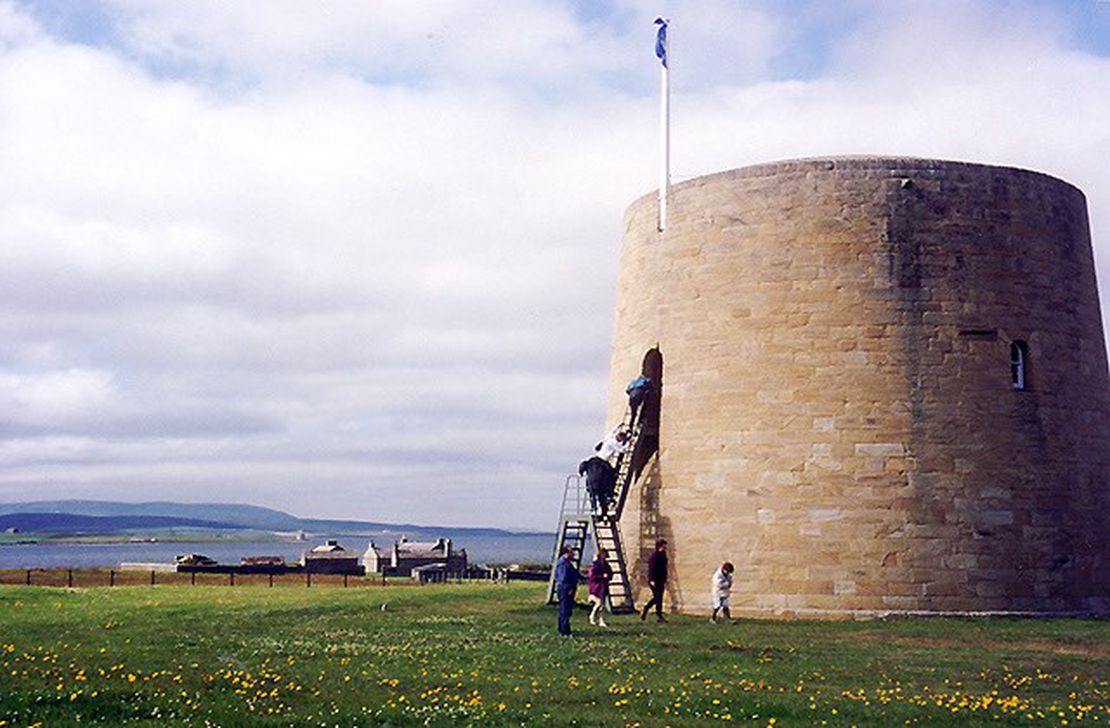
(598, 580)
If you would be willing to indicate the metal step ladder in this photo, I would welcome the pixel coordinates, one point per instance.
(575, 519)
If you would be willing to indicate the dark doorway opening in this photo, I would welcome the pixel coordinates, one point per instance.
(648, 442)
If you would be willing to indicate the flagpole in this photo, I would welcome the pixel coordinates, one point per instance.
(662, 48)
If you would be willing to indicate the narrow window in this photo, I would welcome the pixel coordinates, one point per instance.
(1019, 360)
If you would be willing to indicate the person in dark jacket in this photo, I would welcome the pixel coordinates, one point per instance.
(601, 480)
(566, 583)
(657, 580)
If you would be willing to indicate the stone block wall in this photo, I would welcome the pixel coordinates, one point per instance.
(838, 414)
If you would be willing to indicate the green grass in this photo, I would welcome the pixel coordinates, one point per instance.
(488, 654)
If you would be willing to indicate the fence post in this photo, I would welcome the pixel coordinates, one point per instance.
(111, 577)
(152, 577)
(192, 578)
(69, 578)
(271, 581)
(383, 578)
(231, 578)
(308, 578)
(344, 581)
(28, 577)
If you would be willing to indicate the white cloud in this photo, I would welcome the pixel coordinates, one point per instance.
(48, 399)
(369, 250)
(447, 40)
(16, 28)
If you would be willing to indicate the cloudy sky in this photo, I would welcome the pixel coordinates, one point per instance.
(357, 259)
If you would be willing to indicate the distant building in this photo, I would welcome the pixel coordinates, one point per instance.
(262, 565)
(373, 561)
(405, 556)
(194, 560)
(331, 558)
(262, 561)
(431, 573)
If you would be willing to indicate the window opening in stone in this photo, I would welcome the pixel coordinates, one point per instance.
(1019, 360)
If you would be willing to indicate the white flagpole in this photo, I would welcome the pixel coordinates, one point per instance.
(664, 128)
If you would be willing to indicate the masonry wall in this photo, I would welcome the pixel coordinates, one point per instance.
(838, 416)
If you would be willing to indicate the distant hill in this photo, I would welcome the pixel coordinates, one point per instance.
(229, 516)
(244, 516)
(71, 524)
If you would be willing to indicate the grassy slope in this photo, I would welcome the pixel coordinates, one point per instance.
(488, 654)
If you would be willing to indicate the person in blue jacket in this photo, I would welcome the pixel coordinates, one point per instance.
(638, 390)
(566, 583)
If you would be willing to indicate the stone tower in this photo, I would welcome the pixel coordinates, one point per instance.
(884, 389)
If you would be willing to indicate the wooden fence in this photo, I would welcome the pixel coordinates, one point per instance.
(82, 578)
(129, 577)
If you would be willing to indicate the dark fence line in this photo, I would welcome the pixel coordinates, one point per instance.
(91, 577)
(153, 577)
(438, 576)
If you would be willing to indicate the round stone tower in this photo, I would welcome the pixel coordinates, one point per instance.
(883, 389)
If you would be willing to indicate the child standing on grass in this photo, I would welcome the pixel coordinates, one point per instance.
(719, 591)
(598, 580)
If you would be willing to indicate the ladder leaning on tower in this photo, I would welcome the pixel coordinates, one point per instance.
(578, 520)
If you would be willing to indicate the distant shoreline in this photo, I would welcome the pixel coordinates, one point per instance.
(113, 518)
(110, 551)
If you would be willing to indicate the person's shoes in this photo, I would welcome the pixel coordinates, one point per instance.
(601, 623)
(643, 615)
(713, 620)
(660, 618)
(592, 621)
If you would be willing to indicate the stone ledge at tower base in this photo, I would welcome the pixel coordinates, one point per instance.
(870, 614)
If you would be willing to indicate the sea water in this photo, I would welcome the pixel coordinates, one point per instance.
(516, 548)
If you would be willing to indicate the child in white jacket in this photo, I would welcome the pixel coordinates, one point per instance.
(722, 585)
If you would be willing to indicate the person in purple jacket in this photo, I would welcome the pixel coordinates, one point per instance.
(598, 580)
(657, 580)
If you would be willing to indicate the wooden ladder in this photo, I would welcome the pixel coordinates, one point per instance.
(607, 534)
(577, 519)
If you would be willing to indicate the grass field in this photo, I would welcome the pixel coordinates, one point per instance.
(488, 654)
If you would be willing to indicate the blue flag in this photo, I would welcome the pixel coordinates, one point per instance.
(661, 41)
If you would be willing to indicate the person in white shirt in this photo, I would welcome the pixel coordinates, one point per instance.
(601, 476)
(719, 591)
(615, 443)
